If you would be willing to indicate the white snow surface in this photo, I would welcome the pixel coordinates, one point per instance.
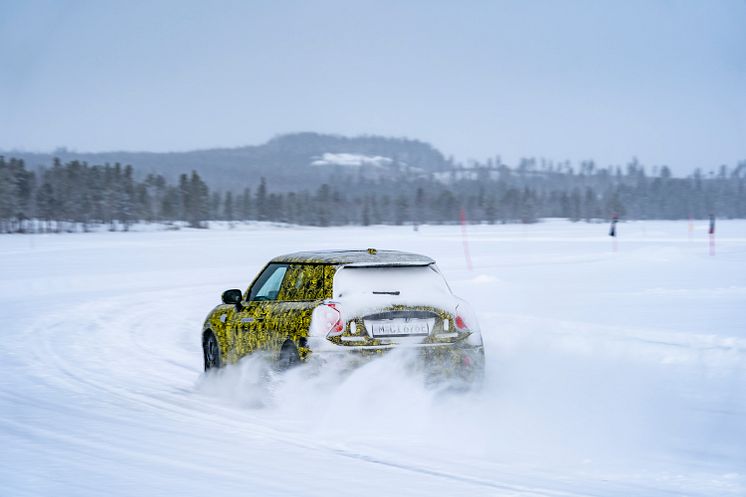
(614, 368)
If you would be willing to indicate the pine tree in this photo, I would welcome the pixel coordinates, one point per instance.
(245, 205)
(199, 201)
(262, 209)
(323, 196)
(8, 198)
(401, 209)
(228, 206)
(215, 206)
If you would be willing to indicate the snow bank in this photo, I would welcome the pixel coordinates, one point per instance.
(351, 160)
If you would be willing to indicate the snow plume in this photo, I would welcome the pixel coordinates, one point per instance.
(554, 404)
(330, 395)
(540, 406)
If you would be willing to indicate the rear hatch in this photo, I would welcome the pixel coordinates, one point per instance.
(393, 304)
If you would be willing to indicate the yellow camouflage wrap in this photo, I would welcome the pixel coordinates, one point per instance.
(267, 325)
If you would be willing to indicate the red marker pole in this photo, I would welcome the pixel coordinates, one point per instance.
(462, 218)
(691, 227)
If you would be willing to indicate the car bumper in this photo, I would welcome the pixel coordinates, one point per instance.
(449, 359)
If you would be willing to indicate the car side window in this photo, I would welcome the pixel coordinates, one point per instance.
(314, 285)
(267, 286)
(292, 287)
(303, 282)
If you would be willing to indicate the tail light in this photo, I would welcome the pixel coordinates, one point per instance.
(327, 320)
(460, 322)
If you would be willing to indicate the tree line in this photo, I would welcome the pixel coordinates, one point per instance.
(76, 196)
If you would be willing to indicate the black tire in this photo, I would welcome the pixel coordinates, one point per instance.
(288, 356)
(211, 351)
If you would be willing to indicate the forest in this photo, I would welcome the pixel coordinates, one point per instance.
(77, 196)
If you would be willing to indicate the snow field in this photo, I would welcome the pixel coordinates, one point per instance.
(614, 368)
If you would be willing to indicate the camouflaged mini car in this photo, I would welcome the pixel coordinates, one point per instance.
(360, 303)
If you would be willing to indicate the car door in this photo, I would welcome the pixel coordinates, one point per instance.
(252, 324)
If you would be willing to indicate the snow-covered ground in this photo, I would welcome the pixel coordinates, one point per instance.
(613, 370)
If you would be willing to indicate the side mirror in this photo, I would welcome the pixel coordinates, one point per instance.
(232, 296)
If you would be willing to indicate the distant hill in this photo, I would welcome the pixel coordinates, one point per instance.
(288, 162)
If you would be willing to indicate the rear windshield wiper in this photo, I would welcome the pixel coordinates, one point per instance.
(387, 293)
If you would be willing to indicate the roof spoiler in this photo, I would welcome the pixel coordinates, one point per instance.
(390, 264)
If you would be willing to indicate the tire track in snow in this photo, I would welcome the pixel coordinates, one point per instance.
(121, 326)
(128, 320)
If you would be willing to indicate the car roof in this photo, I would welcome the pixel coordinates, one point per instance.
(357, 258)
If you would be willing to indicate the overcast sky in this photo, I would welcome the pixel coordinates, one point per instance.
(663, 81)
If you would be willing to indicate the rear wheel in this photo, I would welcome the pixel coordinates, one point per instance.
(288, 356)
(473, 368)
(211, 351)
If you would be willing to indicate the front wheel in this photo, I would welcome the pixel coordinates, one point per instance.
(211, 351)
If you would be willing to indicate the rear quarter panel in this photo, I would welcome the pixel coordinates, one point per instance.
(219, 322)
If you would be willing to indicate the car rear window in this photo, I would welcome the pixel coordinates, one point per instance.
(408, 283)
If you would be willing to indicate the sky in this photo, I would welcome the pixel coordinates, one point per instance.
(663, 81)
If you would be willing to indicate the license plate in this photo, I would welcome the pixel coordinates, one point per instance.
(399, 327)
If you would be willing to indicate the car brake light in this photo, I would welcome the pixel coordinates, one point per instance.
(460, 322)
